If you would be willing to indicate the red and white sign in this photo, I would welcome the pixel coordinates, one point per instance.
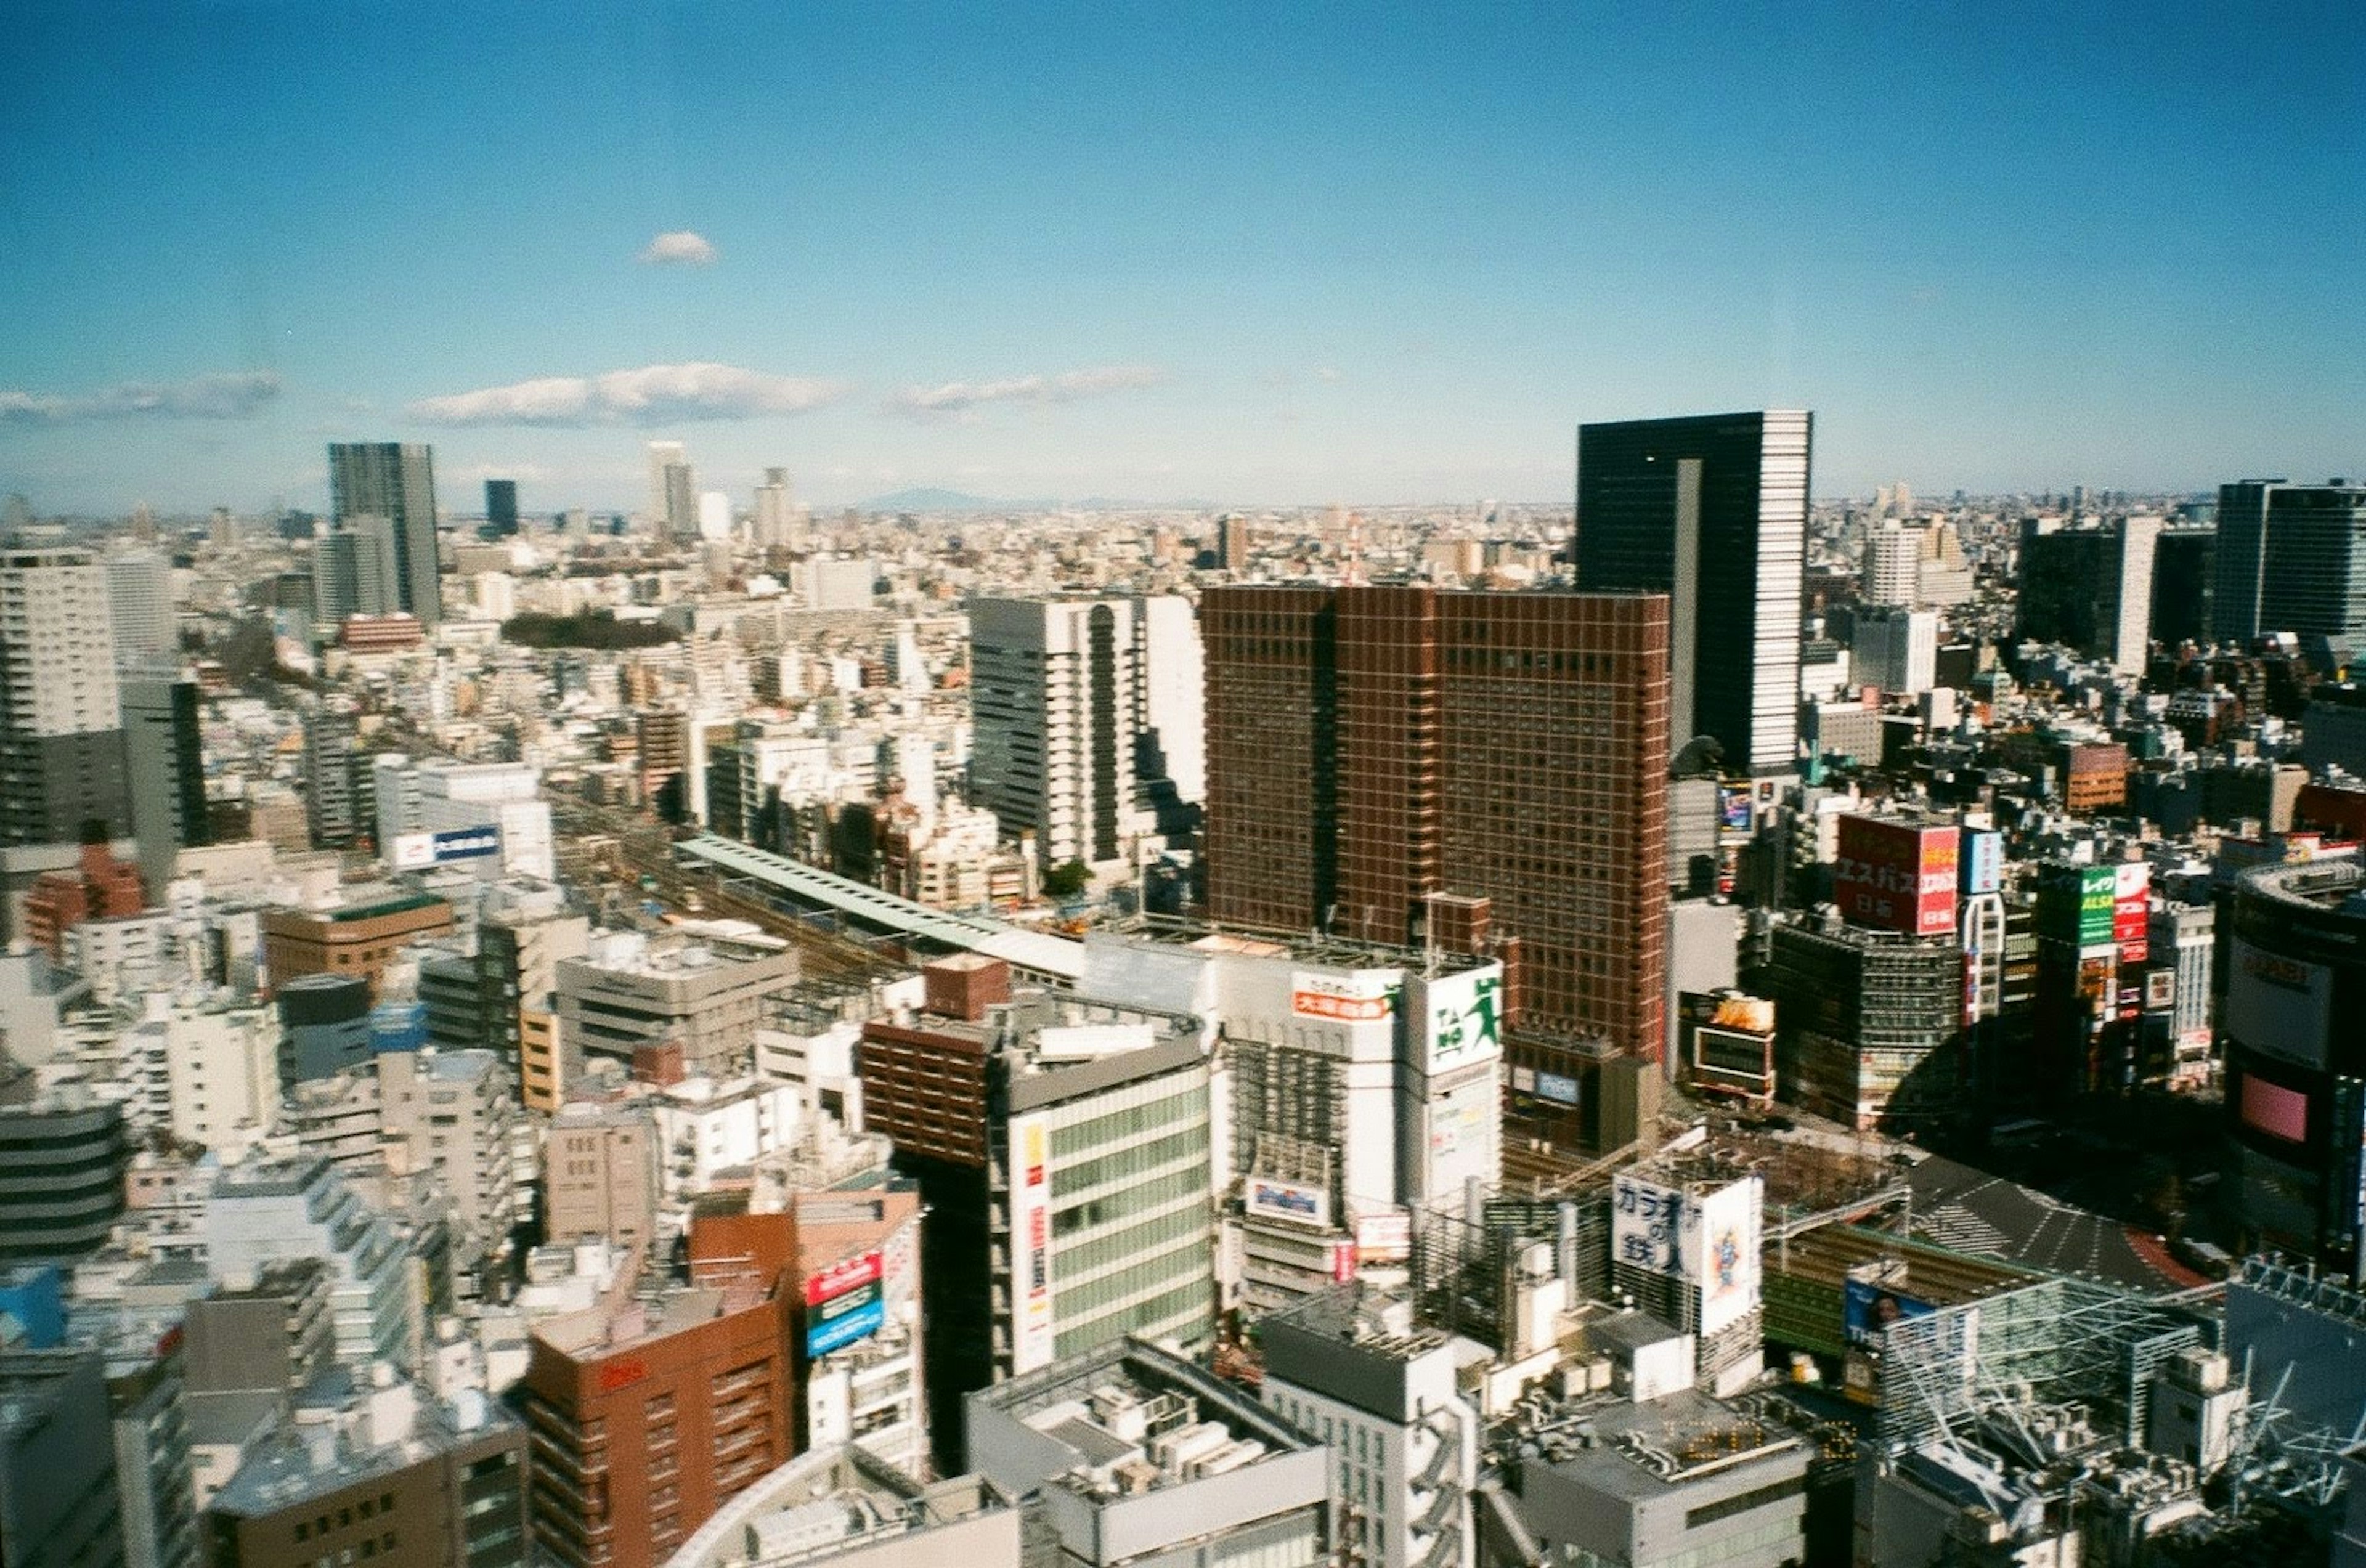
(1896, 875)
(848, 1274)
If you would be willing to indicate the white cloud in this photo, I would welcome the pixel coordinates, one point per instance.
(957, 398)
(233, 395)
(654, 394)
(679, 247)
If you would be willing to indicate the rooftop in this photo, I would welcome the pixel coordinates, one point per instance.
(345, 1430)
(834, 1501)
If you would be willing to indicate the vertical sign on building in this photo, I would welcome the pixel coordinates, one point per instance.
(1031, 1244)
(2131, 909)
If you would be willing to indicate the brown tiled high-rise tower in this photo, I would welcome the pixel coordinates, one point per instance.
(1368, 747)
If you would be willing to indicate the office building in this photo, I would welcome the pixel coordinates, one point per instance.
(1869, 1024)
(1712, 512)
(647, 1414)
(1896, 648)
(58, 1504)
(1062, 693)
(680, 504)
(2091, 589)
(662, 454)
(2184, 584)
(357, 938)
(775, 522)
(61, 721)
(396, 483)
(455, 1113)
(269, 1212)
(1141, 1457)
(2295, 985)
(626, 993)
(339, 796)
(323, 1026)
(487, 818)
(1353, 1365)
(1232, 543)
(1061, 1224)
(1893, 566)
(500, 508)
(1375, 753)
(840, 1507)
(2291, 557)
(62, 1159)
(140, 600)
(98, 887)
(600, 1175)
(165, 771)
(375, 1469)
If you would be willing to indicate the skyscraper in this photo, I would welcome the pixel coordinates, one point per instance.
(2090, 588)
(1370, 747)
(1893, 562)
(681, 501)
(60, 723)
(165, 764)
(500, 508)
(140, 597)
(381, 479)
(1711, 511)
(2290, 558)
(1060, 692)
(663, 455)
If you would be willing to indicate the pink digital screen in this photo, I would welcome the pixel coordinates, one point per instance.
(2278, 1111)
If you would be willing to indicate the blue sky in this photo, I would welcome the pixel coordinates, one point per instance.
(1255, 254)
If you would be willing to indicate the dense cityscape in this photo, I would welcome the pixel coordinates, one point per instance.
(1697, 1028)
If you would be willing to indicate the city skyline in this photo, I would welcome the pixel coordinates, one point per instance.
(1234, 258)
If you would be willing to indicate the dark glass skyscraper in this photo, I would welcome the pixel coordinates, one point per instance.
(1711, 511)
(380, 478)
(500, 508)
(2290, 558)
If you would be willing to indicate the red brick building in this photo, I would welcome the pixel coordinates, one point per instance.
(652, 1415)
(99, 887)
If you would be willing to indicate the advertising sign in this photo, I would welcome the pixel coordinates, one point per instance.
(1271, 1198)
(1361, 996)
(1869, 1308)
(1559, 1089)
(2160, 990)
(409, 851)
(1463, 1019)
(825, 1333)
(1721, 1253)
(849, 1274)
(2279, 1006)
(1645, 1224)
(1384, 1237)
(2274, 1109)
(1733, 810)
(1733, 1053)
(1896, 875)
(1982, 853)
(1031, 1244)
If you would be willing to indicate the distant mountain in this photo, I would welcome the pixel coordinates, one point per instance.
(928, 498)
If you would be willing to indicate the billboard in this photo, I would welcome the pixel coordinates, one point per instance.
(1463, 1019)
(1982, 855)
(1271, 1198)
(1867, 1308)
(2274, 1109)
(2277, 1006)
(1031, 1244)
(1721, 1253)
(411, 851)
(2079, 904)
(1896, 875)
(1733, 810)
(1554, 1086)
(1734, 1053)
(1385, 1238)
(1360, 996)
(1645, 1224)
(844, 1303)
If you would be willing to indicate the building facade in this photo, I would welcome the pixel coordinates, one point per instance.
(60, 723)
(1712, 512)
(395, 484)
